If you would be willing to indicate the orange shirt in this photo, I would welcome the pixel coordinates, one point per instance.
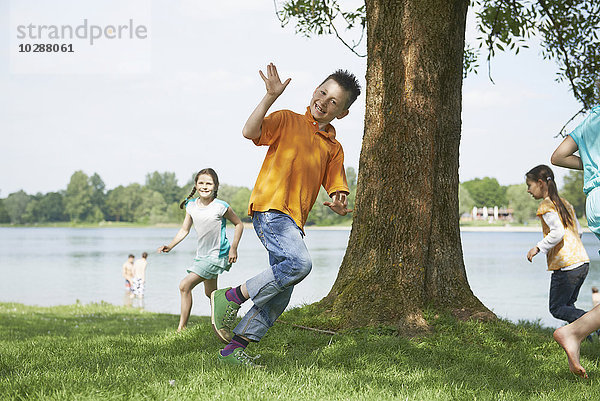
(300, 159)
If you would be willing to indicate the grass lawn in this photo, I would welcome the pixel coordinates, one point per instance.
(105, 352)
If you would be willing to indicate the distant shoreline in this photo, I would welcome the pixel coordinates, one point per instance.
(503, 229)
(508, 229)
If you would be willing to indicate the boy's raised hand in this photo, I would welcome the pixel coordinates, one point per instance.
(339, 204)
(272, 81)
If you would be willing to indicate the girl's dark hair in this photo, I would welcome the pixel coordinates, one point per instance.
(544, 173)
(207, 171)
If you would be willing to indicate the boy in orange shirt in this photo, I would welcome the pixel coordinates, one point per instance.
(303, 155)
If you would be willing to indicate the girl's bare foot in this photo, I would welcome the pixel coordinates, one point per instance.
(571, 346)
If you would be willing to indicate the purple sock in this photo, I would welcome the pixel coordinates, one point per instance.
(235, 295)
(236, 342)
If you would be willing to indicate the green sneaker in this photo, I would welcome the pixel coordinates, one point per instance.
(222, 314)
(239, 357)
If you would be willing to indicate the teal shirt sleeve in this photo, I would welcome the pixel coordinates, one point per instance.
(587, 138)
(223, 204)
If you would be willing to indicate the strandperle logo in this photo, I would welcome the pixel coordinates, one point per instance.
(84, 31)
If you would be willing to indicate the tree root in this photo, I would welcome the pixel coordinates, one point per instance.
(331, 333)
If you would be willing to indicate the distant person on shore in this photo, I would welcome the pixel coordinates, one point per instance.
(595, 297)
(565, 254)
(139, 275)
(303, 154)
(127, 272)
(585, 139)
(214, 254)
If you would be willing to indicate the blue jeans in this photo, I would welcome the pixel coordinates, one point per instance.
(271, 290)
(564, 289)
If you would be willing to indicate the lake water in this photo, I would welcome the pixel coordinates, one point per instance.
(55, 266)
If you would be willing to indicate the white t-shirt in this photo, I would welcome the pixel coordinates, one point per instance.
(210, 227)
(139, 268)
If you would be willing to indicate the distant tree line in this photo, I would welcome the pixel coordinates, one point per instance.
(86, 200)
(488, 192)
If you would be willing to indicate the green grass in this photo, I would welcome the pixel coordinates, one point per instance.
(104, 352)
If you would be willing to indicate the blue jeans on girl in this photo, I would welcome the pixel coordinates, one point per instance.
(271, 290)
(564, 290)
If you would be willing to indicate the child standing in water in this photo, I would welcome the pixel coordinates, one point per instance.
(585, 139)
(127, 272)
(565, 254)
(214, 255)
(139, 275)
(595, 297)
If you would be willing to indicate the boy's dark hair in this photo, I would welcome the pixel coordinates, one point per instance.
(130, 256)
(544, 173)
(348, 82)
(144, 255)
(594, 289)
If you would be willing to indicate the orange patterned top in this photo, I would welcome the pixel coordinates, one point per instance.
(569, 250)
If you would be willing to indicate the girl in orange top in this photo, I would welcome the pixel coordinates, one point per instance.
(565, 254)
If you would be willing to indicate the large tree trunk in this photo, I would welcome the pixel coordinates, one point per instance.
(404, 250)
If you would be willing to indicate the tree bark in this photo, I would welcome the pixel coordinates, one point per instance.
(404, 250)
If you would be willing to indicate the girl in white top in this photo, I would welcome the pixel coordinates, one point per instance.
(214, 255)
(565, 254)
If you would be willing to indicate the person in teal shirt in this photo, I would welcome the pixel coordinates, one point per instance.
(586, 139)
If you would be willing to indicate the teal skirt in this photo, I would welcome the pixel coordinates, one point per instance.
(209, 268)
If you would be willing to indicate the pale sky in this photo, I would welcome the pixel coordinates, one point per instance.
(177, 100)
